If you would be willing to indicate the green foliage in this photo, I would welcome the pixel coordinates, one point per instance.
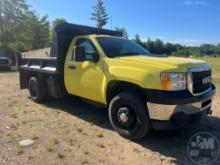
(99, 14)
(55, 23)
(137, 39)
(20, 27)
(159, 47)
(40, 32)
(215, 63)
(123, 31)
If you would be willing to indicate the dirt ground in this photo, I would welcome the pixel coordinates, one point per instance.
(74, 132)
(37, 53)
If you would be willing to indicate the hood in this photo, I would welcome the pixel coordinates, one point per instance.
(164, 62)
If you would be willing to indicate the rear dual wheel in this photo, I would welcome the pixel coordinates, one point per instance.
(128, 115)
(37, 89)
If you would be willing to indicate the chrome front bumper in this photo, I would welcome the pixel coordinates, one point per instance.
(165, 112)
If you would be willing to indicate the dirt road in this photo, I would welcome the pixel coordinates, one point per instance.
(74, 132)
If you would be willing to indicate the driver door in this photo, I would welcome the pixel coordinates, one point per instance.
(85, 78)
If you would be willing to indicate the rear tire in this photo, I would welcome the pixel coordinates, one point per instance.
(128, 115)
(37, 89)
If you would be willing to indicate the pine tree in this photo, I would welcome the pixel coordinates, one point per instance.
(137, 39)
(123, 31)
(99, 14)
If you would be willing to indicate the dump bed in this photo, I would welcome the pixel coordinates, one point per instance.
(50, 69)
(63, 35)
(44, 65)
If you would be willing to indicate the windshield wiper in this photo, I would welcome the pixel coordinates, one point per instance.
(124, 54)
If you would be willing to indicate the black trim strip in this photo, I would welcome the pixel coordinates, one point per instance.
(176, 97)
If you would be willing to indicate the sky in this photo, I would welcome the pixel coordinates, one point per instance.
(188, 22)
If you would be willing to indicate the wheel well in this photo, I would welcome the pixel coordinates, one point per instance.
(53, 84)
(24, 78)
(26, 75)
(115, 87)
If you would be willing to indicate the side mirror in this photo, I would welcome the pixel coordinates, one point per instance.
(80, 53)
(95, 57)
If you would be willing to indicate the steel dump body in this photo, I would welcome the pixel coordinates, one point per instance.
(43, 65)
(63, 35)
(52, 67)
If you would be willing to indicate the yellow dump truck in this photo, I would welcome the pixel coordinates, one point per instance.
(140, 89)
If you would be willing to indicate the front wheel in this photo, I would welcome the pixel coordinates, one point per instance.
(128, 115)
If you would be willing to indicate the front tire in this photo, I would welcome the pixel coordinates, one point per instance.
(128, 115)
(37, 89)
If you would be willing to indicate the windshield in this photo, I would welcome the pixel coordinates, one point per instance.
(118, 47)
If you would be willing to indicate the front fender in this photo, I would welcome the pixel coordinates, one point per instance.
(144, 78)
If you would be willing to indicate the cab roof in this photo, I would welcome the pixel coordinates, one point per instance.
(75, 30)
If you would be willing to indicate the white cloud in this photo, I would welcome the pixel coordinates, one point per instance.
(182, 41)
(195, 3)
(163, 38)
(190, 42)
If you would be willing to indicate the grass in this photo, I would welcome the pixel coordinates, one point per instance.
(82, 132)
(67, 150)
(136, 150)
(55, 145)
(14, 115)
(215, 62)
(34, 137)
(85, 162)
(60, 155)
(13, 126)
(49, 147)
(85, 152)
(71, 142)
(25, 112)
(100, 135)
(56, 142)
(101, 145)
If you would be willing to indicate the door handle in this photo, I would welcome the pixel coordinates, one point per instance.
(72, 67)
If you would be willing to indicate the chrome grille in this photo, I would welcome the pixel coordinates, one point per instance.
(196, 77)
(198, 85)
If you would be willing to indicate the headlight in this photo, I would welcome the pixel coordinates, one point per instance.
(173, 81)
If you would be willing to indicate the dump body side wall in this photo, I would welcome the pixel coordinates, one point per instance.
(51, 69)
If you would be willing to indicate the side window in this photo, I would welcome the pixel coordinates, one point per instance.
(87, 44)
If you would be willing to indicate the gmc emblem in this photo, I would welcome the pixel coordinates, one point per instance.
(206, 80)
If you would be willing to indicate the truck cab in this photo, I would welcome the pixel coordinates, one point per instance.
(141, 90)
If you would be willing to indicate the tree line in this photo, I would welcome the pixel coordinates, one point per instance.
(159, 47)
(22, 29)
(100, 16)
